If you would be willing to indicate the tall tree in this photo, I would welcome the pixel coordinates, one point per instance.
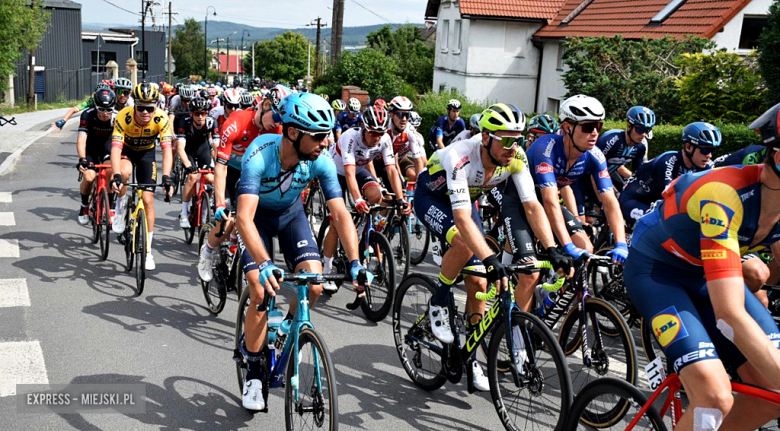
(187, 47)
(282, 59)
(369, 69)
(769, 53)
(405, 46)
(22, 26)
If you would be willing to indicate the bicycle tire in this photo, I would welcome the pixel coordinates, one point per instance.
(105, 224)
(623, 350)
(189, 233)
(316, 389)
(651, 347)
(128, 235)
(606, 282)
(625, 393)
(140, 247)
(379, 296)
(419, 240)
(545, 383)
(407, 309)
(94, 214)
(398, 235)
(243, 304)
(176, 173)
(214, 291)
(495, 247)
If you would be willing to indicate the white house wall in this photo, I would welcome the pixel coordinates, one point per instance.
(729, 37)
(551, 86)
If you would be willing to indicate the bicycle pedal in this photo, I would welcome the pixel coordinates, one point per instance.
(238, 357)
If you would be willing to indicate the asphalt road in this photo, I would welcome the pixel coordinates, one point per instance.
(66, 317)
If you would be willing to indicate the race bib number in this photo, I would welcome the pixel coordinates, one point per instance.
(656, 373)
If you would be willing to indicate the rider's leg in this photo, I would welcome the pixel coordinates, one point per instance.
(315, 290)
(186, 193)
(300, 248)
(86, 185)
(255, 324)
(577, 233)
(520, 247)
(709, 392)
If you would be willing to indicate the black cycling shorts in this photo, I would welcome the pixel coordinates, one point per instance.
(201, 157)
(145, 166)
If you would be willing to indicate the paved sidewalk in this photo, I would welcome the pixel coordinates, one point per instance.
(29, 128)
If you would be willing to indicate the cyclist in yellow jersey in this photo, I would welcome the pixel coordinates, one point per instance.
(136, 131)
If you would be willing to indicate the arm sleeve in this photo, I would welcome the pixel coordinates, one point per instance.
(84, 123)
(720, 217)
(166, 131)
(457, 180)
(639, 156)
(180, 128)
(252, 168)
(415, 145)
(226, 141)
(599, 171)
(346, 147)
(542, 165)
(118, 137)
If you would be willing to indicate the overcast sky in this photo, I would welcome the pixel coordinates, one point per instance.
(260, 13)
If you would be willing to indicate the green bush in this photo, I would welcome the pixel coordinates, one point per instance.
(432, 105)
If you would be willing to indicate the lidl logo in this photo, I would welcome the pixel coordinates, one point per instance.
(715, 220)
(668, 327)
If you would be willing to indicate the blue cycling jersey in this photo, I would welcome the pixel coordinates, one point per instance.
(751, 155)
(262, 175)
(548, 161)
(343, 122)
(442, 128)
(617, 151)
(647, 183)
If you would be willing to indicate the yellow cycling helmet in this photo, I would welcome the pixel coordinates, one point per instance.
(500, 116)
(145, 93)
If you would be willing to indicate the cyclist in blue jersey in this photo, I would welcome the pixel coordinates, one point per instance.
(685, 278)
(275, 170)
(751, 155)
(623, 146)
(558, 161)
(700, 140)
(447, 127)
(349, 119)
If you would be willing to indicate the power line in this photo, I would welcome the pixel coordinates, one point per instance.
(244, 18)
(372, 12)
(120, 7)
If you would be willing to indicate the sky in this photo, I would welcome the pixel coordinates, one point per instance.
(259, 13)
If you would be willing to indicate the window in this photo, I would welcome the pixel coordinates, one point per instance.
(552, 105)
(99, 64)
(445, 32)
(140, 57)
(559, 66)
(667, 11)
(442, 88)
(457, 32)
(751, 30)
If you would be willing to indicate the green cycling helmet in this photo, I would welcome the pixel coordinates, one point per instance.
(543, 124)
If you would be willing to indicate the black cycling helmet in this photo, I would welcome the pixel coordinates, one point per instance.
(199, 104)
(104, 99)
(767, 126)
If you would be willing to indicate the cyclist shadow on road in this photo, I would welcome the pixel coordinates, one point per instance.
(180, 403)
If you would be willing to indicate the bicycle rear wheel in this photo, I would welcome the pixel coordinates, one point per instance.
(93, 213)
(379, 261)
(176, 173)
(140, 251)
(544, 394)
(419, 238)
(127, 236)
(105, 224)
(597, 399)
(397, 234)
(317, 403)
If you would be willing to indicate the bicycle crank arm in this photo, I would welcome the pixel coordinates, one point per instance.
(354, 305)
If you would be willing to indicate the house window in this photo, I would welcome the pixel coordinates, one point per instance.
(457, 32)
(140, 57)
(99, 64)
(445, 32)
(559, 64)
(751, 30)
(442, 88)
(552, 104)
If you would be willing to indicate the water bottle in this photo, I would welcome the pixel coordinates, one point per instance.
(546, 300)
(281, 333)
(275, 318)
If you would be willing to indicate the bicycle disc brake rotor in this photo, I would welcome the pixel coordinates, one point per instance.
(600, 361)
(318, 406)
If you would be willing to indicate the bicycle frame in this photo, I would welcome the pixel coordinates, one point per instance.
(101, 183)
(201, 184)
(138, 205)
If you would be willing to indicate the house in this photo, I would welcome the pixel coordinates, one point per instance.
(99, 48)
(233, 67)
(510, 50)
(124, 43)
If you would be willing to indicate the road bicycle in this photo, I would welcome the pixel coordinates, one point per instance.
(527, 369)
(177, 174)
(300, 362)
(226, 267)
(394, 226)
(314, 205)
(100, 209)
(200, 209)
(419, 236)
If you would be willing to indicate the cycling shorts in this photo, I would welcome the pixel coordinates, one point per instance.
(402, 166)
(295, 237)
(435, 212)
(676, 305)
(632, 208)
(518, 232)
(145, 166)
(364, 180)
(201, 157)
(231, 181)
(96, 158)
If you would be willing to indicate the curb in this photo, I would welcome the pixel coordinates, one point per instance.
(10, 161)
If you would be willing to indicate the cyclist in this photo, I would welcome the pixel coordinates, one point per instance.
(473, 129)
(246, 100)
(93, 144)
(409, 152)
(447, 127)
(122, 88)
(89, 102)
(136, 131)
(444, 201)
(348, 119)
(415, 120)
(623, 146)
(180, 103)
(196, 135)
(700, 140)
(751, 155)
(338, 107)
(559, 161)
(235, 136)
(544, 124)
(275, 171)
(352, 154)
(684, 277)
(231, 102)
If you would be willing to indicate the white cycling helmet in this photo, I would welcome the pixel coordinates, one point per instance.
(581, 108)
(353, 104)
(400, 103)
(232, 96)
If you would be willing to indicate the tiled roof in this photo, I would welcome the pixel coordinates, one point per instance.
(631, 18)
(234, 59)
(537, 9)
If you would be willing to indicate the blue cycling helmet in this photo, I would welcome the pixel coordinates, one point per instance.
(701, 133)
(309, 111)
(641, 116)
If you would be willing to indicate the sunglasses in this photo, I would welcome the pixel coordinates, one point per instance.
(316, 137)
(642, 130)
(590, 127)
(144, 108)
(706, 150)
(508, 142)
(403, 115)
(375, 134)
(199, 113)
(183, 100)
(105, 110)
(232, 105)
(123, 92)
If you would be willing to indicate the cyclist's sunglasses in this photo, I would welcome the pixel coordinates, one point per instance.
(105, 110)
(145, 108)
(375, 134)
(123, 92)
(641, 130)
(403, 115)
(706, 150)
(199, 113)
(590, 127)
(316, 137)
(508, 142)
(232, 105)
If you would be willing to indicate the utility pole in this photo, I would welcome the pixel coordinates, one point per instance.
(253, 60)
(31, 76)
(170, 56)
(338, 27)
(206, 41)
(145, 5)
(317, 69)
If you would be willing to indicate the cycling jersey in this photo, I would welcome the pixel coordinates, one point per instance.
(751, 155)
(617, 151)
(343, 122)
(194, 138)
(457, 171)
(130, 135)
(215, 103)
(235, 136)
(176, 107)
(218, 114)
(447, 132)
(98, 134)
(87, 103)
(262, 173)
(351, 150)
(462, 136)
(406, 143)
(548, 160)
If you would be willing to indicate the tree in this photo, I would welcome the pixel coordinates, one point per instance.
(369, 69)
(406, 47)
(622, 73)
(282, 59)
(188, 48)
(769, 53)
(22, 26)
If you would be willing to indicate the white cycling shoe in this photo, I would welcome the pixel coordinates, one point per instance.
(150, 265)
(118, 225)
(478, 377)
(440, 323)
(205, 261)
(252, 395)
(184, 221)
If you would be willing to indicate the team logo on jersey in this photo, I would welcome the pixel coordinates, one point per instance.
(715, 220)
(544, 168)
(604, 174)
(668, 327)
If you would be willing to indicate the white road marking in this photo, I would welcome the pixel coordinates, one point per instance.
(5, 197)
(21, 362)
(13, 293)
(9, 248)
(7, 219)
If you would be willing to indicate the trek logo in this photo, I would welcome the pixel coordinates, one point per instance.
(715, 220)
(668, 327)
(544, 168)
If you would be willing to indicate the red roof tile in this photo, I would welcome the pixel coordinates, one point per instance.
(631, 19)
(537, 9)
(235, 60)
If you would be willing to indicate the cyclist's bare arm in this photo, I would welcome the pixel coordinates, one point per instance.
(624, 171)
(245, 219)
(81, 145)
(181, 144)
(220, 172)
(440, 142)
(342, 220)
(569, 200)
(352, 184)
(534, 212)
(471, 234)
(554, 214)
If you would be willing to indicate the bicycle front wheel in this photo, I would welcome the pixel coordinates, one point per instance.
(419, 238)
(140, 252)
(215, 291)
(379, 261)
(316, 403)
(398, 236)
(105, 224)
(239, 340)
(596, 400)
(544, 394)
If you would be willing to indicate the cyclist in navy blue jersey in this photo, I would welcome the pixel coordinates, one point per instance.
(348, 119)
(447, 127)
(621, 147)
(751, 155)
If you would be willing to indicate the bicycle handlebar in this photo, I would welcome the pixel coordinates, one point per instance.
(138, 185)
(309, 277)
(525, 268)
